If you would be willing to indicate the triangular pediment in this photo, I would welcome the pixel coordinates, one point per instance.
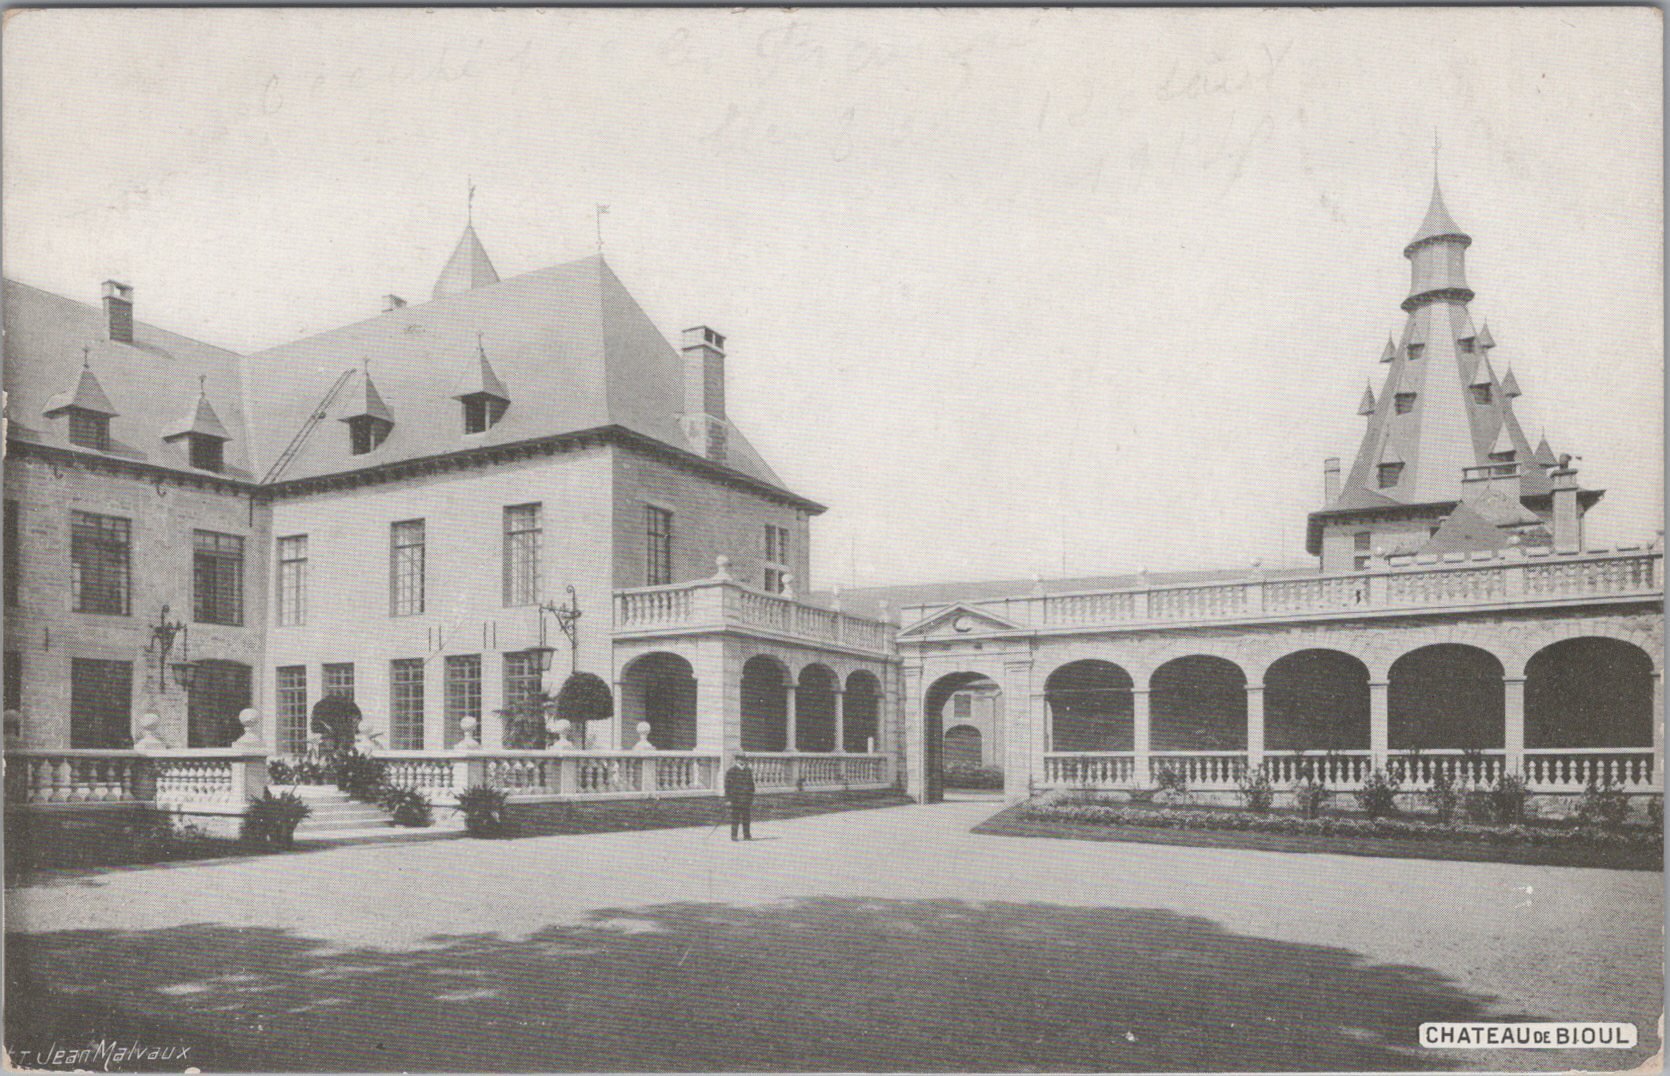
(955, 620)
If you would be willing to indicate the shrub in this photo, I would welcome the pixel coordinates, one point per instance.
(1310, 794)
(362, 777)
(524, 723)
(1507, 799)
(1170, 779)
(1256, 790)
(408, 806)
(1603, 804)
(582, 699)
(483, 809)
(1378, 796)
(270, 821)
(280, 772)
(335, 718)
(1655, 811)
(1444, 795)
(966, 775)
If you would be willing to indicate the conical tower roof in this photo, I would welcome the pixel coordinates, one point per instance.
(1391, 351)
(467, 269)
(1544, 453)
(364, 401)
(88, 395)
(479, 378)
(201, 420)
(1485, 341)
(1366, 407)
(1438, 222)
(1510, 385)
(1503, 442)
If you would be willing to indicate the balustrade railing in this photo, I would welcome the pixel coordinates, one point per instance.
(1337, 771)
(1114, 769)
(780, 770)
(722, 603)
(1210, 770)
(189, 779)
(1555, 770)
(1417, 769)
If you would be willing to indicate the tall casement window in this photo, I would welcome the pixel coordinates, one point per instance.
(101, 703)
(776, 558)
(13, 570)
(521, 554)
(339, 679)
(463, 694)
(406, 704)
(14, 680)
(99, 573)
(89, 430)
(658, 544)
(406, 568)
(1360, 549)
(217, 578)
(292, 580)
(292, 709)
(521, 678)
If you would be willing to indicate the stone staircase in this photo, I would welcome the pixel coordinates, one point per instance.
(336, 819)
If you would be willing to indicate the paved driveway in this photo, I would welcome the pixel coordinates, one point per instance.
(887, 939)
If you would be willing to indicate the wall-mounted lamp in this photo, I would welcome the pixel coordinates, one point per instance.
(162, 644)
(566, 614)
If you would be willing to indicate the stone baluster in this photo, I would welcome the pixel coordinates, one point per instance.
(840, 721)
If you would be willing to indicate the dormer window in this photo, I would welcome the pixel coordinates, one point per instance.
(207, 453)
(481, 411)
(1388, 474)
(1415, 351)
(1481, 394)
(366, 432)
(1502, 457)
(1403, 402)
(89, 430)
(203, 433)
(1467, 345)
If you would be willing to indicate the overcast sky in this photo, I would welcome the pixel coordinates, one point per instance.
(1011, 291)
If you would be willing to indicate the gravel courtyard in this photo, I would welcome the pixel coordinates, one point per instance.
(885, 939)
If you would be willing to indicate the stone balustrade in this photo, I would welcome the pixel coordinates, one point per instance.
(1421, 583)
(212, 781)
(722, 604)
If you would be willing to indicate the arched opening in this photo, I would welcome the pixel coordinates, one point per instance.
(659, 688)
(963, 746)
(982, 695)
(219, 693)
(1445, 696)
(1316, 700)
(764, 705)
(1198, 703)
(1090, 707)
(861, 718)
(814, 709)
(1589, 692)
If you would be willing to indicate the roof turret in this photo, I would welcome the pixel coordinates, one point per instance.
(467, 269)
(1437, 257)
(88, 395)
(1366, 407)
(1391, 351)
(201, 421)
(1544, 454)
(364, 401)
(479, 377)
(1510, 385)
(1438, 224)
(1485, 341)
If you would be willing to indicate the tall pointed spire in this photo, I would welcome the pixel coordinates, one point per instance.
(468, 268)
(1366, 407)
(1391, 351)
(1510, 385)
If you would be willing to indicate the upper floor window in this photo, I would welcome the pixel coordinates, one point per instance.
(366, 432)
(99, 571)
(482, 410)
(13, 574)
(1360, 547)
(658, 544)
(1505, 456)
(217, 578)
(1403, 402)
(292, 579)
(521, 554)
(406, 567)
(1388, 474)
(776, 558)
(1415, 351)
(207, 453)
(89, 429)
(1481, 394)
(1467, 345)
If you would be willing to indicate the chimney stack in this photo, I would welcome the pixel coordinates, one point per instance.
(392, 302)
(704, 391)
(1568, 523)
(118, 311)
(1330, 480)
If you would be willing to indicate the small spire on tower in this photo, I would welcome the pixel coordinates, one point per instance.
(1391, 350)
(1510, 385)
(1366, 407)
(1485, 341)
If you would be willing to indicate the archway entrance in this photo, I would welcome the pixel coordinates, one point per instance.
(962, 738)
(1589, 692)
(220, 692)
(1446, 696)
(765, 709)
(659, 688)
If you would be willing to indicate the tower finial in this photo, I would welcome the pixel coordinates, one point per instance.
(1436, 146)
(469, 203)
(601, 209)
(202, 384)
(481, 348)
(86, 361)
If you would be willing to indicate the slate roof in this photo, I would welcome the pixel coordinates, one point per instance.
(1437, 221)
(201, 420)
(88, 395)
(468, 268)
(147, 384)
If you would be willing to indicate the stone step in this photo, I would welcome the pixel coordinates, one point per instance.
(384, 833)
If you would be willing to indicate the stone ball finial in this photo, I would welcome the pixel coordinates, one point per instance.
(643, 743)
(722, 568)
(250, 718)
(467, 740)
(149, 739)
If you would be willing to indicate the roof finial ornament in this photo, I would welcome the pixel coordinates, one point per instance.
(86, 359)
(601, 209)
(481, 349)
(469, 203)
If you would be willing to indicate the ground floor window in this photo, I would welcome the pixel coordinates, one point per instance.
(463, 694)
(406, 704)
(101, 703)
(339, 679)
(292, 709)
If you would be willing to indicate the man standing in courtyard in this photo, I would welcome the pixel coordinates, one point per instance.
(739, 790)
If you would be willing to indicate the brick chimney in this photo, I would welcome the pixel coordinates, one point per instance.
(1330, 480)
(118, 311)
(392, 302)
(1568, 522)
(704, 391)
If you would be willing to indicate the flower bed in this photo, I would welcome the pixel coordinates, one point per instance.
(1635, 847)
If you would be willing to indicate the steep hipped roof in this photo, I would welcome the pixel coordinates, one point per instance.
(1366, 405)
(1437, 221)
(469, 267)
(362, 400)
(200, 420)
(569, 337)
(45, 334)
(88, 395)
(479, 378)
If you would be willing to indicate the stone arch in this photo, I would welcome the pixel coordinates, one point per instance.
(765, 710)
(964, 746)
(1090, 706)
(1445, 695)
(660, 688)
(1316, 698)
(861, 716)
(934, 698)
(1589, 691)
(814, 708)
(1198, 702)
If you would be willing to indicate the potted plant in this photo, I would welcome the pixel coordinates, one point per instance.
(270, 821)
(483, 808)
